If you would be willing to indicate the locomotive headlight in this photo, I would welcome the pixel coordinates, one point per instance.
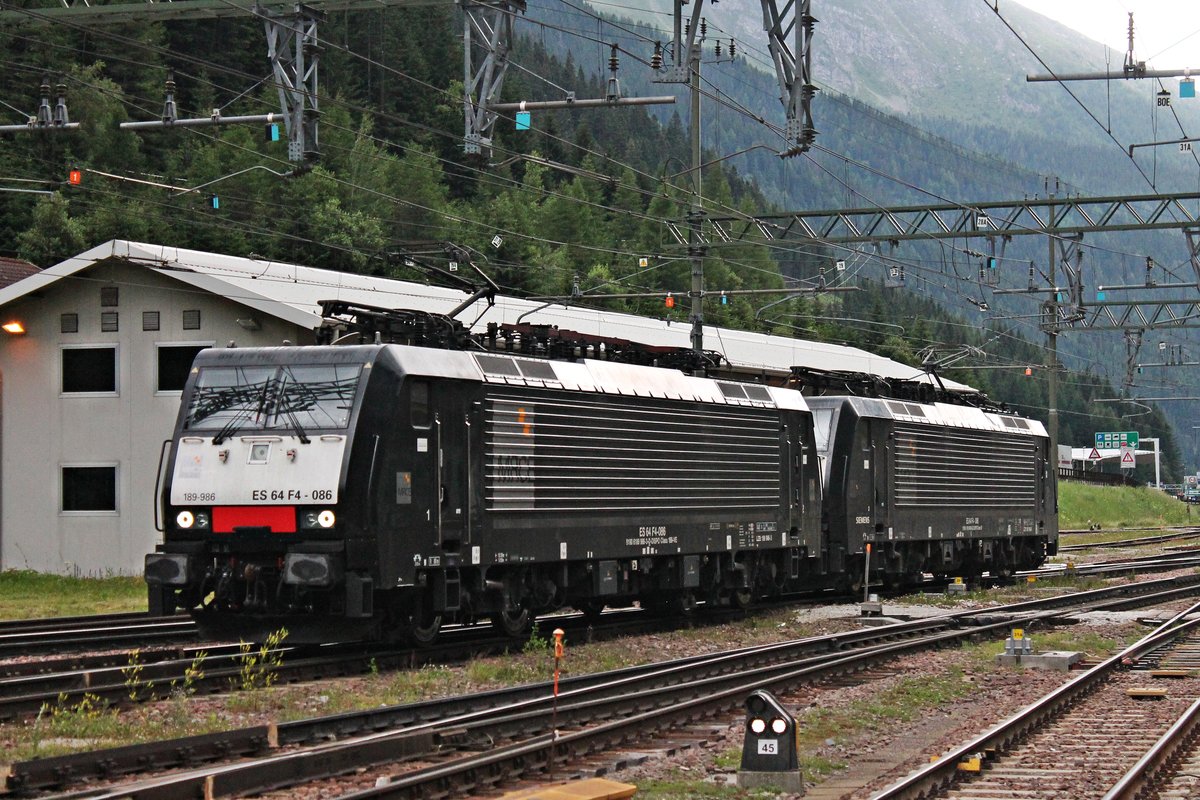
(758, 725)
(778, 726)
(319, 519)
(188, 520)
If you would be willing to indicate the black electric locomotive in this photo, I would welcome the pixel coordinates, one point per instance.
(375, 490)
(936, 488)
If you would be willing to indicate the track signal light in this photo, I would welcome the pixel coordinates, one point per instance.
(770, 753)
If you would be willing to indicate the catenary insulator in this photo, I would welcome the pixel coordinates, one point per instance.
(613, 92)
(60, 105)
(44, 115)
(656, 60)
(732, 48)
(703, 27)
(170, 111)
(717, 50)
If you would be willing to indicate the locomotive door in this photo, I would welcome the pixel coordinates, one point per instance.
(881, 466)
(452, 436)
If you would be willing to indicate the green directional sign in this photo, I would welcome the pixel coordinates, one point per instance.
(1113, 440)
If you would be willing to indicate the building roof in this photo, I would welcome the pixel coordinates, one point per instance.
(15, 269)
(292, 292)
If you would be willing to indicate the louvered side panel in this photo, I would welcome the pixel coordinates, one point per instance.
(953, 467)
(584, 453)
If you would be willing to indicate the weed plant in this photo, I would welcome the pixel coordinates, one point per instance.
(258, 669)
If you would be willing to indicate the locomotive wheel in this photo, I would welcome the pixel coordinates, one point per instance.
(741, 599)
(591, 609)
(424, 632)
(513, 622)
(681, 604)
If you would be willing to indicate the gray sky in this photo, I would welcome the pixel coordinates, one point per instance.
(1166, 32)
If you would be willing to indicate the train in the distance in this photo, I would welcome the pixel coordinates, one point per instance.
(383, 490)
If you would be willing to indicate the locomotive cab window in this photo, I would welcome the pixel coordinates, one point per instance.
(822, 427)
(297, 398)
(419, 404)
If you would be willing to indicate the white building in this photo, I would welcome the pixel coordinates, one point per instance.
(89, 390)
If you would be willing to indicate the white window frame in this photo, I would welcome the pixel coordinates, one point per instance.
(114, 346)
(113, 512)
(173, 392)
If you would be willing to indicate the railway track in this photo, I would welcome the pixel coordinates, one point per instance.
(1156, 562)
(505, 733)
(1094, 531)
(122, 678)
(28, 637)
(125, 678)
(1190, 533)
(1113, 733)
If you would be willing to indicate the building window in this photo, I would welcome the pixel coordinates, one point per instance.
(89, 488)
(191, 320)
(174, 364)
(108, 296)
(68, 323)
(109, 322)
(89, 370)
(149, 320)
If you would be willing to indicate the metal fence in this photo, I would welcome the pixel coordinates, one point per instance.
(1103, 478)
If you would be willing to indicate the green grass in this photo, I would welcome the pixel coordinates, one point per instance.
(29, 595)
(1081, 504)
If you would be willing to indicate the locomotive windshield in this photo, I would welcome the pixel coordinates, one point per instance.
(823, 426)
(293, 397)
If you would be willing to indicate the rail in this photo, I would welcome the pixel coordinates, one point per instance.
(926, 782)
(655, 696)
